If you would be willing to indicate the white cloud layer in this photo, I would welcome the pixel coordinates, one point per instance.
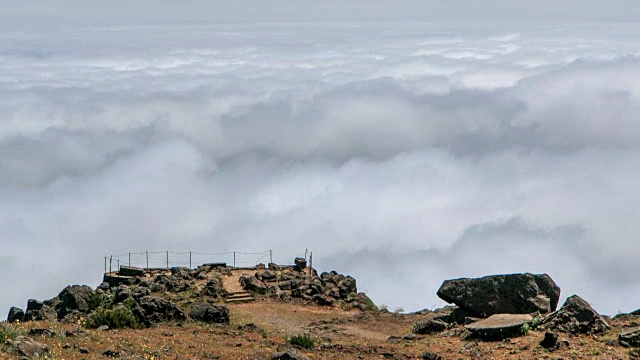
(403, 154)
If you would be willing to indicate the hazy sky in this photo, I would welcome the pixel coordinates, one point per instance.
(327, 10)
(403, 153)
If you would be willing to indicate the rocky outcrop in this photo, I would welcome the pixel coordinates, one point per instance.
(503, 294)
(150, 310)
(300, 263)
(74, 298)
(576, 316)
(210, 313)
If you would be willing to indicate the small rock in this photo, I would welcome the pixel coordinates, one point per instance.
(499, 326)
(83, 350)
(429, 327)
(289, 355)
(41, 332)
(550, 340)
(431, 356)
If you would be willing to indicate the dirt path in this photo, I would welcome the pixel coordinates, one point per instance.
(231, 282)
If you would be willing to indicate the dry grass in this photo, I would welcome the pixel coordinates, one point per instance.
(337, 335)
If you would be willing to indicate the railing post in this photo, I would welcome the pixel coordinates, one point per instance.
(118, 265)
(147, 256)
(110, 261)
(105, 264)
(270, 256)
(234, 259)
(167, 259)
(129, 259)
(190, 267)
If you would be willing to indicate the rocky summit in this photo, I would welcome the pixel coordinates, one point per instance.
(291, 312)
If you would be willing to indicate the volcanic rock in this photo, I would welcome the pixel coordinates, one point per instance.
(503, 294)
(576, 316)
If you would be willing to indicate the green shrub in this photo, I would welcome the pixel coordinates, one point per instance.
(8, 332)
(304, 341)
(117, 318)
(95, 301)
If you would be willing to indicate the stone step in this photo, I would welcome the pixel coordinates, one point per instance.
(240, 299)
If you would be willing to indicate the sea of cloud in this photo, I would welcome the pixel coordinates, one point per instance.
(403, 154)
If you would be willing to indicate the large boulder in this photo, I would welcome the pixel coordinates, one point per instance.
(15, 314)
(74, 298)
(576, 316)
(503, 294)
(150, 310)
(210, 313)
(630, 338)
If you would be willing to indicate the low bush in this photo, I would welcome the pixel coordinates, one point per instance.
(117, 318)
(304, 341)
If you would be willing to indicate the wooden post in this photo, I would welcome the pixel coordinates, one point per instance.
(270, 256)
(234, 259)
(190, 267)
(129, 259)
(110, 261)
(147, 256)
(105, 264)
(167, 259)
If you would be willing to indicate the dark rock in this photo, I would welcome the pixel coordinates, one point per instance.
(141, 292)
(182, 272)
(130, 271)
(42, 332)
(323, 300)
(503, 294)
(576, 316)
(431, 356)
(35, 305)
(216, 265)
(29, 348)
(630, 338)
(550, 340)
(111, 353)
(210, 313)
(300, 263)
(83, 350)
(104, 286)
(284, 285)
(461, 316)
(266, 276)
(122, 293)
(150, 310)
(44, 313)
(213, 288)
(15, 314)
(289, 355)
(74, 298)
(252, 284)
(429, 327)
(636, 312)
(347, 286)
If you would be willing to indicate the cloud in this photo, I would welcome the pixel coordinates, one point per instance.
(404, 155)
